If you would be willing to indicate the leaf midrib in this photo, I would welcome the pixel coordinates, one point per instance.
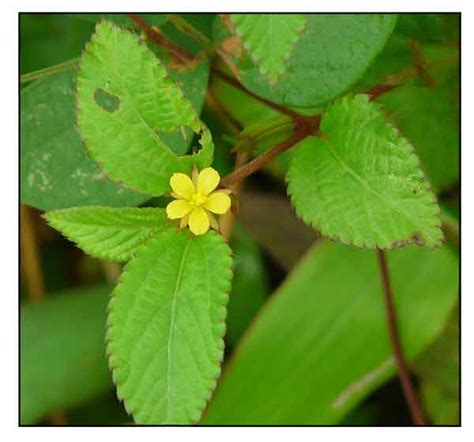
(172, 326)
(365, 184)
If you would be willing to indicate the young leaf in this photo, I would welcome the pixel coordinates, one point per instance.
(56, 172)
(320, 345)
(62, 352)
(166, 327)
(269, 38)
(361, 183)
(127, 106)
(331, 55)
(109, 234)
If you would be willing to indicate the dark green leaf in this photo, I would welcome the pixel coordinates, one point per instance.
(55, 170)
(320, 345)
(62, 352)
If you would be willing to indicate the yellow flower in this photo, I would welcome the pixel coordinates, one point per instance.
(196, 199)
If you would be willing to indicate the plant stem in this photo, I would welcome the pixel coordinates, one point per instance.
(233, 82)
(30, 260)
(51, 70)
(186, 27)
(403, 373)
(304, 127)
(227, 221)
(159, 39)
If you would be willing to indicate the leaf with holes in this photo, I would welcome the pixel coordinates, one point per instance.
(269, 38)
(321, 345)
(107, 233)
(361, 183)
(331, 55)
(166, 326)
(128, 107)
(55, 170)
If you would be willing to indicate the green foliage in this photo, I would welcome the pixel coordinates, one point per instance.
(129, 140)
(321, 344)
(122, 19)
(55, 170)
(62, 352)
(108, 233)
(438, 368)
(48, 39)
(360, 183)
(331, 55)
(429, 118)
(269, 38)
(166, 327)
(249, 285)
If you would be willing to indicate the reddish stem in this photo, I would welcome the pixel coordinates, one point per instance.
(403, 373)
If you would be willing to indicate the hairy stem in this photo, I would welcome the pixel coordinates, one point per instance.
(403, 373)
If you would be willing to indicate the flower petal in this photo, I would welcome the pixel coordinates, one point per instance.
(182, 185)
(198, 221)
(208, 180)
(178, 208)
(218, 202)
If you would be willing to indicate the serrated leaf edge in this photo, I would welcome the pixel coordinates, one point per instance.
(199, 128)
(221, 326)
(322, 228)
(248, 47)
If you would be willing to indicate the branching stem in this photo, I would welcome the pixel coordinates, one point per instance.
(403, 373)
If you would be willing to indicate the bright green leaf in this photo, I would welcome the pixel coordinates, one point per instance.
(320, 345)
(360, 182)
(107, 233)
(166, 326)
(62, 352)
(331, 55)
(269, 38)
(127, 106)
(55, 170)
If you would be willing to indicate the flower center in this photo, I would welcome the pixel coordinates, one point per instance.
(198, 199)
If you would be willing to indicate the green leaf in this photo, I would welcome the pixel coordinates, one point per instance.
(438, 369)
(331, 55)
(109, 234)
(166, 326)
(249, 285)
(361, 183)
(49, 39)
(55, 170)
(269, 38)
(320, 344)
(122, 19)
(127, 106)
(429, 118)
(62, 352)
